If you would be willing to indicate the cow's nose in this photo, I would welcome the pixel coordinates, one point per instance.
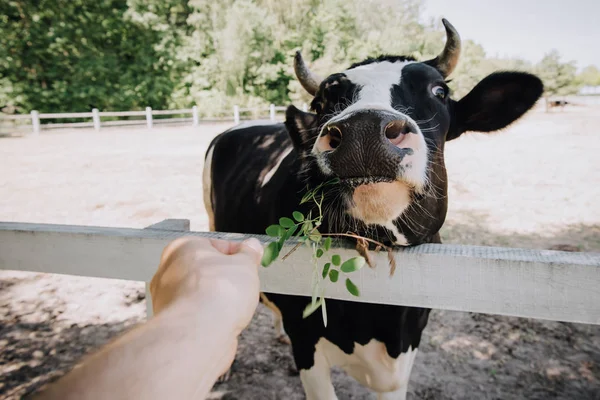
(397, 130)
(330, 139)
(362, 127)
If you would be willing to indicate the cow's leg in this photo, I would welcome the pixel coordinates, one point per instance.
(317, 379)
(282, 337)
(407, 360)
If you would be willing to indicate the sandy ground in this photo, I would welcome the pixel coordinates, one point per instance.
(536, 185)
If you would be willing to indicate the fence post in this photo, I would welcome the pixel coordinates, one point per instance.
(96, 118)
(236, 114)
(35, 122)
(195, 115)
(149, 117)
(304, 107)
(272, 112)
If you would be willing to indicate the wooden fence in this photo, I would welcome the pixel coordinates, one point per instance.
(32, 123)
(543, 284)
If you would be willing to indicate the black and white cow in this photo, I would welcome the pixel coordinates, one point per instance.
(380, 127)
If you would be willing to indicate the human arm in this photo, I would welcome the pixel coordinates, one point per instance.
(204, 294)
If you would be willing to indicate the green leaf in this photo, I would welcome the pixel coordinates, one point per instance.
(286, 222)
(307, 227)
(352, 288)
(326, 269)
(334, 275)
(324, 311)
(327, 244)
(270, 254)
(281, 242)
(336, 259)
(290, 232)
(274, 230)
(353, 264)
(306, 197)
(298, 216)
(315, 236)
(311, 308)
(319, 253)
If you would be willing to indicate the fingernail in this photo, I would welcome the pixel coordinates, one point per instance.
(254, 244)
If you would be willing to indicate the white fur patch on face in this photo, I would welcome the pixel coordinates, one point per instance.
(207, 189)
(376, 81)
(370, 364)
(414, 166)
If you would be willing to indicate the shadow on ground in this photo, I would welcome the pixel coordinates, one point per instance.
(36, 353)
(475, 228)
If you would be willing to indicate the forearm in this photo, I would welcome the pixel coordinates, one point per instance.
(178, 354)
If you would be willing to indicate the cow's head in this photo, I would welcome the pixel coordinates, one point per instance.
(380, 127)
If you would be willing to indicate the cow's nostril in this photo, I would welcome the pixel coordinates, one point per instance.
(335, 136)
(396, 128)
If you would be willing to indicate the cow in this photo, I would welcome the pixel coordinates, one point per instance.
(379, 129)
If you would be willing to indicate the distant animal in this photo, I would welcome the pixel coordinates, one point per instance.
(558, 103)
(380, 127)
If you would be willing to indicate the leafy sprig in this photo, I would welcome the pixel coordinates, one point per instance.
(326, 268)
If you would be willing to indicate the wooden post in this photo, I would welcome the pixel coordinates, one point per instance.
(35, 122)
(272, 112)
(96, 118)
(149, 117)
(304, 107)
(236, 114)
(195, 116)
(166, 225)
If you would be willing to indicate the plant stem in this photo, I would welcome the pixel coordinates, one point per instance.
(358, 237)
(298, 245)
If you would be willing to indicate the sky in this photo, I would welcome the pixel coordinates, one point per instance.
(526, 28)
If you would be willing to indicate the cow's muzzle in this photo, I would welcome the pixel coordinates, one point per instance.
(369, 144)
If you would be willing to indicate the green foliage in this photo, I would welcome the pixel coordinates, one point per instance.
(558, 76)
(353, 264)
(76, 55)
(589, 76)
(306, 230)
(352, 287)
(129, 54)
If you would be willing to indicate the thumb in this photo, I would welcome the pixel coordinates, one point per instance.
(253, 249)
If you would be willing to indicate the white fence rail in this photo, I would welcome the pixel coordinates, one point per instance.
(541, 284)
(13, 123)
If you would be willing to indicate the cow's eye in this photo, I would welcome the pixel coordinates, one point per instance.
(439, 91)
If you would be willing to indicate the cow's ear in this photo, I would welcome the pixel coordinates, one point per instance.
(302, 127)
(494, 103)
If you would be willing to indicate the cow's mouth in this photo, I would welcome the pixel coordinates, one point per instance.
(366, 180)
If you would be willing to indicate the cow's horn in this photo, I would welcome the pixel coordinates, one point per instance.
(447, 60)
(307, 79)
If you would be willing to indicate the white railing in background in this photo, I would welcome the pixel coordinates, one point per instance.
(34, 124)
(543, 284)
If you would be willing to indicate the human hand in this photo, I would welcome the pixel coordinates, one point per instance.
(219, 274)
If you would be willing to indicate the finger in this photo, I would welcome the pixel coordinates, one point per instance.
(253, 249)
(225, 246)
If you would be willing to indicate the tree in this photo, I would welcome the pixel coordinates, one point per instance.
(75, 55)
(558, 76)
(589, 76)
(58, 55)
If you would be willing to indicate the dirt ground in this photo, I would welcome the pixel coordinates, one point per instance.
(536, 185)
